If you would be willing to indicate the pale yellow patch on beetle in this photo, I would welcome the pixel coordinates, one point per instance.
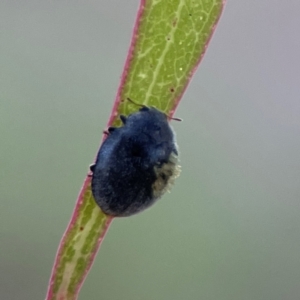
(166, 175)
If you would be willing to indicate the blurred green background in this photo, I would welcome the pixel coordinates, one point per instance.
(230, 229)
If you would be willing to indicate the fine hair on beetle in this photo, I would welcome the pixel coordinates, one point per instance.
(136, 164)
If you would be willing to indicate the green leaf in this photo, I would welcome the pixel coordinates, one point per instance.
(169, 40)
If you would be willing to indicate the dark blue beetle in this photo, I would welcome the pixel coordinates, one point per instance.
(136, 164)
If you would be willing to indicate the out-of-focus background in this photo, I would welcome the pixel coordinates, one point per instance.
(230, 229)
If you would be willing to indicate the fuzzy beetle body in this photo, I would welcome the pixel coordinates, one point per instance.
(136, 163)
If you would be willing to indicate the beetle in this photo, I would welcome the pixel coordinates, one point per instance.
(136, 164)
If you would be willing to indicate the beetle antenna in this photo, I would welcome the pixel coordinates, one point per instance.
(173, 118)
(141, 105)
